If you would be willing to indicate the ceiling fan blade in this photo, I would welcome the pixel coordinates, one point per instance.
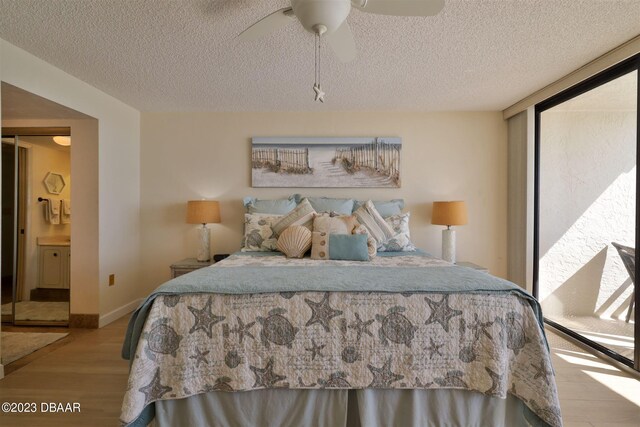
(268, 24)
(342, 43)
(400, 7)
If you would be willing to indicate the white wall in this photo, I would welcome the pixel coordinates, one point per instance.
(587, 189)
(445, 156)
(117, 203)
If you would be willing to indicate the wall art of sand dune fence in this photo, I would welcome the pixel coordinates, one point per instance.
(295, 161)
(379, 157)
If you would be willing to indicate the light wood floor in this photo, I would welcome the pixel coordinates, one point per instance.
(592, 392)
(88, 369)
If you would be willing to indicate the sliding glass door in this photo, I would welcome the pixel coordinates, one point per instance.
(586, 221)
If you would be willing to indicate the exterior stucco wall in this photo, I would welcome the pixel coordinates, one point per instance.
(587, 201)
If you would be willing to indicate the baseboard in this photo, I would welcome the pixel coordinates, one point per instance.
(118, 312)
(83, 321)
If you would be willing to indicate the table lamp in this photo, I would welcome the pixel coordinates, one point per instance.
(449, 214)
(203, 212)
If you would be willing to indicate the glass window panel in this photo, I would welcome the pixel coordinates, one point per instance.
(587, 202)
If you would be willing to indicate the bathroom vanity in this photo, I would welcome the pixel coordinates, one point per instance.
(54, 262)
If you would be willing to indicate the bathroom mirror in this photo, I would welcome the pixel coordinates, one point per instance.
(54, 183)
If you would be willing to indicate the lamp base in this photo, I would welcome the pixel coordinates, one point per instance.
(449, 245)
(204, 253)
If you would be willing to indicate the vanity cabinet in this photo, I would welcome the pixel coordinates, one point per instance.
(53, 266)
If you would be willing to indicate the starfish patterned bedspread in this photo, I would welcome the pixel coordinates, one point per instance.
(253, 322)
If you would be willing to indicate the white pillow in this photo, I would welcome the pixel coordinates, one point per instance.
(302, 215)
(368, 216)
(401, 240)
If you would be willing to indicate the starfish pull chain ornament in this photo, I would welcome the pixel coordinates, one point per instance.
(319, 94)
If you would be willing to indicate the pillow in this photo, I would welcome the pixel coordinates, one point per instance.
(275, 207)
(351, 247)
(258, 233)
(372, 246)
(327, 204)
(301, 215)
(294, 241)
(334, 224)
(386, 207)
(368, 216)
(401, 241)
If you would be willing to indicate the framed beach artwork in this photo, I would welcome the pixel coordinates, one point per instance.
(326, 162)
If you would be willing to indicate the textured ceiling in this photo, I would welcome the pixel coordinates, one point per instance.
(160, 55)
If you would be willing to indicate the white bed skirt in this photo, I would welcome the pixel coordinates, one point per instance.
(349, 408)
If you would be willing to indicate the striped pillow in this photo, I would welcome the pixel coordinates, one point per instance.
(301, 215)
(368, 216)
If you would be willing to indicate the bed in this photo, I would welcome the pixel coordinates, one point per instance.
(404, 339)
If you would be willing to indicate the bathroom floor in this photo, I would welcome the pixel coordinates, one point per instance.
(39, 310)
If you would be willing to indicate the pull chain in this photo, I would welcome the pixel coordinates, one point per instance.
(319, 94)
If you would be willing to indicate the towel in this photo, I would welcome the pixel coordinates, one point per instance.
(65, 211)
(52, 211)
(45, 206)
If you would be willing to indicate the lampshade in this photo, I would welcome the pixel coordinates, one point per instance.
(449, 213)
(203, 212)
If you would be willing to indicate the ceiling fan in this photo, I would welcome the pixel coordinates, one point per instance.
(328, 18)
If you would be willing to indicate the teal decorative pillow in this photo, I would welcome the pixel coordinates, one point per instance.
(258, 233)
(385, 208)
(401, 241)
(346, 247)
(276, 206)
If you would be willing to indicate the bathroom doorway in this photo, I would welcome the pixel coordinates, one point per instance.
(36, 225)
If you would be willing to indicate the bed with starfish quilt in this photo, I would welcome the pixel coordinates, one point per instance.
(403, 322)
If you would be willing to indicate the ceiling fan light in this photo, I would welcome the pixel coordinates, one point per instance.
(313, 13)
(65, 141)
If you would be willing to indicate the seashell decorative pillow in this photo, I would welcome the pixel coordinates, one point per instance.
(401, 240)
(258, 233)
(294, 241)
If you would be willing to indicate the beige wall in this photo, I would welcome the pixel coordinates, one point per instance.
(444, 156)
(114, 200)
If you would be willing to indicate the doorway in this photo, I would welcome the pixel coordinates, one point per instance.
(9, 215)
(36, 226)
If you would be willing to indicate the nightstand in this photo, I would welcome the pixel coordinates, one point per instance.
(188, 265)
(472, 265)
